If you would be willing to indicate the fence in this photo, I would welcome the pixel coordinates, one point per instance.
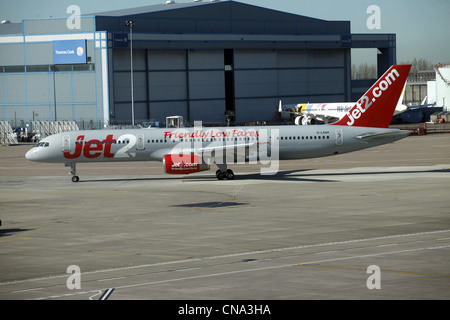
(424, 128)
(42, 129)
(7, 135)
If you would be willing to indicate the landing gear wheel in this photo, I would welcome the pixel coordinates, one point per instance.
(229, 174)
(73, 171)
(220, 175)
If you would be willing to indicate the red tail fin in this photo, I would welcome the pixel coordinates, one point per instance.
(376, 107)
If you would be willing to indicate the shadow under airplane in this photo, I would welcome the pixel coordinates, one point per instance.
(288, 175)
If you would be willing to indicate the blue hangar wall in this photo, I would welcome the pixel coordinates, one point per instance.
(201, 60)
(49, 72)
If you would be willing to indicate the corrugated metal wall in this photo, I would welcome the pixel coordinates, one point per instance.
(191, 83)
(170, 82)
(263, 77)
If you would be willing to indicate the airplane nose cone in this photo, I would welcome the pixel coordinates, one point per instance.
(31, 155)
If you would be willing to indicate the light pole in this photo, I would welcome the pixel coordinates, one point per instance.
(54, 69)
(130, 23)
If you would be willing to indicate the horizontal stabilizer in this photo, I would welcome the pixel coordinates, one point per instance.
(395, 135)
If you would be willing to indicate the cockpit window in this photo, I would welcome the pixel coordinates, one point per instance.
(42, 144)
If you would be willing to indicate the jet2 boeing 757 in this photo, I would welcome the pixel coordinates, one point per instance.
(190, 150)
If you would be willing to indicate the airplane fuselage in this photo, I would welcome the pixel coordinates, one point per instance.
(284, 142)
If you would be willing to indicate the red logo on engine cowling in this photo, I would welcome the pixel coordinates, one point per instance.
(92, 149)
(182, 163)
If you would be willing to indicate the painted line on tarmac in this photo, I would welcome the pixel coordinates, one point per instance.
(381, 270)
(228, 256)
(203, 276)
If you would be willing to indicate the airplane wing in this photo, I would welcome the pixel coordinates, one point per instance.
(229, 147)
(159, 154)
(325, 118)
(291, 109)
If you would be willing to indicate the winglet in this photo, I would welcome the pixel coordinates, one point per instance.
(376, 107)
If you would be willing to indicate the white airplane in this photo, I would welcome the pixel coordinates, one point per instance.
(310, 113)
(189, 150)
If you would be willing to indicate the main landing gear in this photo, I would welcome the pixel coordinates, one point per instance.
(73, 171)
(229, 174)
(223, 173)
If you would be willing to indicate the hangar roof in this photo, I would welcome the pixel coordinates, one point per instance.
(147, 9)
(208, 25)
(228, 17)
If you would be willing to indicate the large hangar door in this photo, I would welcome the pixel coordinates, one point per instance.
(121, 105)
(206, 85)
(188, 83)
(229, 85)
(263, 77)
(167, 83)
(255, 76)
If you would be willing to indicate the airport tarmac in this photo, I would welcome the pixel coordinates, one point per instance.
(373, 224)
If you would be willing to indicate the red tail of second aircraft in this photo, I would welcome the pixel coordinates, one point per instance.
(376, 107)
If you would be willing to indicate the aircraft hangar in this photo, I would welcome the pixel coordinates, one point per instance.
(202, 60)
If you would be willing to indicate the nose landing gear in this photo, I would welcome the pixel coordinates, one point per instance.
(73, 171)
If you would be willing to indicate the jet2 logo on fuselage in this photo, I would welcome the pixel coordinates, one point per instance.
(92, 149)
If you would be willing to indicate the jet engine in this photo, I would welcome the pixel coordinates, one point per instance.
(183, 164)
(304, 120)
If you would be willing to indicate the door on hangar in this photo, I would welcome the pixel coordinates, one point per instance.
(206, 85)
(263, 77)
